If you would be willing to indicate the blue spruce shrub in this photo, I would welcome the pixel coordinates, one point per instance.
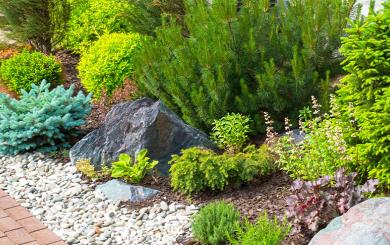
(41, 119)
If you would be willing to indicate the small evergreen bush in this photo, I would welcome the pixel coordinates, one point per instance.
(41, 23)
(25, 69)
(91, 19)
(215, 222)
(364, 94)
(41, 119)
(133, 172)
(224, 58)
(106, 64)
(264, 232)
(198, 169)
(231, 132)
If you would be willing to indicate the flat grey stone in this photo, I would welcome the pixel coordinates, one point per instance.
(120, 191)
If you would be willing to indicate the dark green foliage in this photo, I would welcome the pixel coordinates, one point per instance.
(108, 62)
(215, 222)
(257, 58)
(42, 23)
(198, 169)
(147, 15)
(264, 232)
(41, 119)
(364, 94)
(25, 69)
(91, 19)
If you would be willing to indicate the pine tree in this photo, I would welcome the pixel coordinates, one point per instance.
(244, 57)
(39, 22)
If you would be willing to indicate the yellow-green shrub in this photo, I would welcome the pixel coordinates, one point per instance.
(105, 65)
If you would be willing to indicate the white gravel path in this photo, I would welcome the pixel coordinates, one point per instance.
(79, 214)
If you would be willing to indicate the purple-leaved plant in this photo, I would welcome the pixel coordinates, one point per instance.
(314, 203)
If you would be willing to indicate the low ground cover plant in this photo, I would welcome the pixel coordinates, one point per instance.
(108, 63)
(231, 132)
(197, 169)
(85, 167)
(91, 19)
(264, 232)
(215, 222)
(41, 119)
(27, 68)
(315, 203)
(133, 171)
(364, 94)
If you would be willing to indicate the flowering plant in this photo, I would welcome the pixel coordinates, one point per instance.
(323, 149)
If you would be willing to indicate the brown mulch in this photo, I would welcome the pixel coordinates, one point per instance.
(100, 107)
(264, 194)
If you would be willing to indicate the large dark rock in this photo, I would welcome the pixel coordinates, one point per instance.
(367, 223)
(132, 126)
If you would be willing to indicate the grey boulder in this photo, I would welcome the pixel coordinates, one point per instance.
(132, 126)
(367, 223)
(119, 191)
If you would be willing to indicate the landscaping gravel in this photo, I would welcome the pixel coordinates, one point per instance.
(71, 207)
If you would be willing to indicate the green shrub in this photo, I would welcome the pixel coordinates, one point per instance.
(256, 59)
(106, 65)
(323, 149)
(147, 15)
(40, 23)
(264, 232)
(132, 172)
(231, 131)
(25, 69)
(198, 169)
(41, 119)
(214, 223)
(364, 94)
(87, 169)
(91, 19)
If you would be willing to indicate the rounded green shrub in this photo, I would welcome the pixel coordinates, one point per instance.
(107, 63)
(25, 69)
(215, 222)
(266, 231)
(91, 19)
(231, 131)
(198, 169)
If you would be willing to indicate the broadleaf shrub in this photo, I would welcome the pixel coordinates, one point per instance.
(266, 232)
(133, 172)
(248, 59)
(106, 64)
(215, 222)
(27, 68)
(315, 203)
(364, 94)
(231, 131)
(199, 169)
(41, 119)
(91, 19)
